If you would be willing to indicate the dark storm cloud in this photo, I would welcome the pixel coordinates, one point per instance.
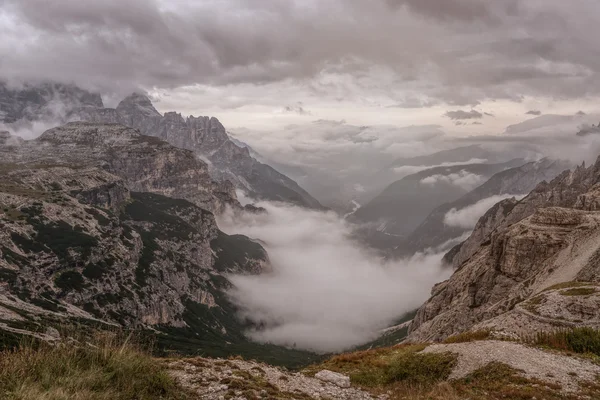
(501, 49)
(460, 115)
(534, 112)
(465, 10)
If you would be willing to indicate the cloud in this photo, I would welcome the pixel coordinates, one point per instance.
(534, 112)
(326, 293)
(298, 108)
(463, 179)
(406, 170)
(491, 50)
(467, 217)
(460, 114)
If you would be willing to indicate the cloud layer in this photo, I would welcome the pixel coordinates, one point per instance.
(464, 179)
(467, 217)
(491, 49)
(326, 293)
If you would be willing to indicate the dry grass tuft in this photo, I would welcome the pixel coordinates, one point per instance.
(469, 337)
(108, 369)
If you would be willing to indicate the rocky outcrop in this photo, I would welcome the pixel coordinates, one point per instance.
(75, 242)
(571, 189)
(50, 101)
(207, 138)
(548, 238)
(434, 231)
(146, 164)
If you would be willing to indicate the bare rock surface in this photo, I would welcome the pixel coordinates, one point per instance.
(214, 379)
(340, 380)
(532, 363)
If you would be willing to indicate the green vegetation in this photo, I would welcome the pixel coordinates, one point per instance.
(234, 251)
(384, 367)
(576, 340)
(567, 285)
(110, 369)
(582, 291)
(70, 280)
(468, 337)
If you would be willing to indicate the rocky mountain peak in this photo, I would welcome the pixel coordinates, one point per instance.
(138, 104)
(6, 139)
(43, 101)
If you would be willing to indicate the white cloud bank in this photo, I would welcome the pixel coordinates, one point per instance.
(325, 293)
(463, 179)
(467, 217)
(406, 170)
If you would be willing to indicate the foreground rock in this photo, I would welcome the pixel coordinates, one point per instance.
(568, 372)
(329, 376)
(214, 379)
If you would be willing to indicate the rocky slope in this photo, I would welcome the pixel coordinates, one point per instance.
(434, 232)
(75, 242)
(43, 101)
(146, 164)
(518, 250)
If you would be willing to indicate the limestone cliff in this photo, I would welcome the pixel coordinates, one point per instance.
(518, 250)
(145, 163)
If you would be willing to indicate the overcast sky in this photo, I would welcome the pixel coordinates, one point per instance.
(470, 66)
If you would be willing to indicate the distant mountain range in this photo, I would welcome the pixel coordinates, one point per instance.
(403, 205)
(204, 135)
(439, 228)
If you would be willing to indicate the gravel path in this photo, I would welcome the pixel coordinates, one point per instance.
(532, 363)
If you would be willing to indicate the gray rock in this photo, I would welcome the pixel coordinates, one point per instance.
(336, 378)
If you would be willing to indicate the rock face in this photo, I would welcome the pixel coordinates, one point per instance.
(336, 378)
(434, 232)
(44, 101)
(76, 242)
(518, 250)
(146, 164)
(207, 138)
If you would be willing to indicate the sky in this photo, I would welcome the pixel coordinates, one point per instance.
(468, 66)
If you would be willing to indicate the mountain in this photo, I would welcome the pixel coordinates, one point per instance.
(459, 154)
(529, 266)
(90, 237)
(204, 135)
(404, 204)
(145, 163)
(43, 101)
(208, 138)
(436, 230)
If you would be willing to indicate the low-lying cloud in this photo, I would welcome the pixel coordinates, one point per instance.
(326, 293)
(467, 217)
(460, 114)
(406, 170)
(464, 179)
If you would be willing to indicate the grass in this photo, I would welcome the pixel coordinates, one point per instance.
(383, 367)
(582, 291)
(577, 340)
(566, 285)
(402, 372)
(468, 337)
(109, 369)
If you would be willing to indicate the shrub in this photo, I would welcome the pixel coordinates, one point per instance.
(70, 280)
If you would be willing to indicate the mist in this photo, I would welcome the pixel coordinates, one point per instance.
(467, 217)
(326, 293)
